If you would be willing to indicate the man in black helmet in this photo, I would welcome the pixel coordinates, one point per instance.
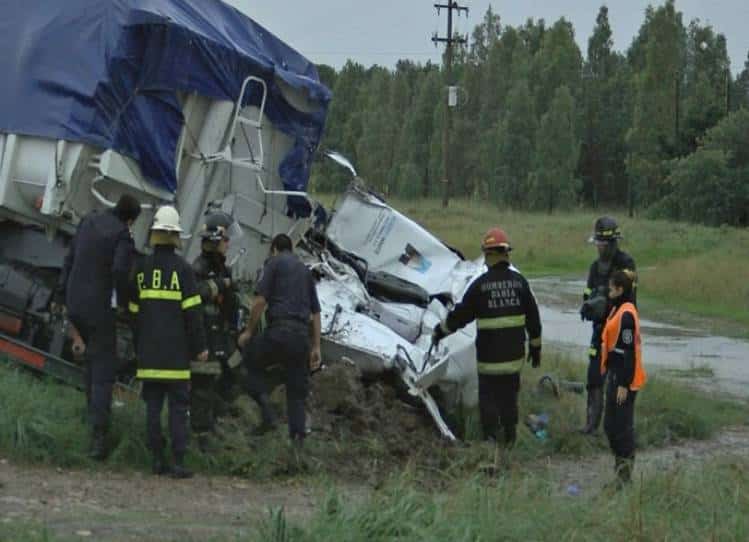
(212, 382)
(595, 306)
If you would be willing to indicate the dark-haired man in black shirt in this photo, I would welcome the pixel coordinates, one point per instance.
(287, 290)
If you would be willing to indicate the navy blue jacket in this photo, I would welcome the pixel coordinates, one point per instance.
(98, 263)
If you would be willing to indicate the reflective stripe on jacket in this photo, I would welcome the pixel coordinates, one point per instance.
(505, 311)
(166, 309)
(613, 341)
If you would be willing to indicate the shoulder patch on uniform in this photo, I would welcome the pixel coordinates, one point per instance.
(627, 336)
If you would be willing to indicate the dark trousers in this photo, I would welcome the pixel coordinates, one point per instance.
(284, 347)
(101, 368)
(178, 397)
(595, 378)
(203, 400)
(619, 421)
(498, 402)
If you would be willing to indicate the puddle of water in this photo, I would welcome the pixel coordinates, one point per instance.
(664, 345)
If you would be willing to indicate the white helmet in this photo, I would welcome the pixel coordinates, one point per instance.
(166, 219)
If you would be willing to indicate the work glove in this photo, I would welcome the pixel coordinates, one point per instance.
(438, 334)
(586, 311)
(534, 356)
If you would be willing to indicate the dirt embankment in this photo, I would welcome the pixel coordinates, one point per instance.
(361, 432)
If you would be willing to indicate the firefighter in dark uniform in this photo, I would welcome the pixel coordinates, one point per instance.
(505, 310)
(169, 332)
(98, 263)
(621, 358)
(287, 289)
(595, 308)
(213, 382)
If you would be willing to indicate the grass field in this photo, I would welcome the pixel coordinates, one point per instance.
(41, 422)
(708, 503)
(683, 267)
(430, 491)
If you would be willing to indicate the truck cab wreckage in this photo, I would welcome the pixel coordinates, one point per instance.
(202, 108)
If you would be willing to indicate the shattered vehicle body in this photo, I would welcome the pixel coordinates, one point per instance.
(200, 107)
(379, 308)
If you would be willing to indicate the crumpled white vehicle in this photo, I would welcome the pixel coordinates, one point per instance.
(385, 282)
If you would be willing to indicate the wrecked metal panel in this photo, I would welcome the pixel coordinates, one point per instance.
(392, 242)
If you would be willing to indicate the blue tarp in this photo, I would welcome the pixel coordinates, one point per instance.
(107, 72)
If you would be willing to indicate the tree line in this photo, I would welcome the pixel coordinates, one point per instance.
(662, 128)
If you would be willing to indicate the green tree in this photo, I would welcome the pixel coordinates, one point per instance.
(327, 74)
(343, 126)
(553, 184)
(712, 184)
(512, 157)
(707, 86)
(557, 63)
(653, 136)
(374, 148)
(606, 117)
(414, 175)
(740, 92)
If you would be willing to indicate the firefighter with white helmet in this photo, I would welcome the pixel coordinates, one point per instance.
(165, 305)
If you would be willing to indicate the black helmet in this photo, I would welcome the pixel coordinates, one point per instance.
(606, 229)
(218, 226)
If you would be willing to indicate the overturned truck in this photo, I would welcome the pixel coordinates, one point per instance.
(200, 107)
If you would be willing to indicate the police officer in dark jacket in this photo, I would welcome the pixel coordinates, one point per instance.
(287, 289)
(168, 334)
(96, 271)
(213, 386)
(596, 307)
(621, 357)
(505, 310)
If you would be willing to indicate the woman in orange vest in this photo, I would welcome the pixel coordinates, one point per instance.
(621, 356)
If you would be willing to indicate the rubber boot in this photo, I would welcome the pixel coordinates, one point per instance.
(159, 465)
(179, 471)
(268, 422)
(511, 435)
(624, 466)
(594, 411)
(98, 449)
(297, 453)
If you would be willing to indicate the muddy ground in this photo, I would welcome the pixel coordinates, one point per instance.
(134, 506)
(362, 434)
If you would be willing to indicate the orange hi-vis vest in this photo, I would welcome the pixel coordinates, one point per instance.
(611, 337)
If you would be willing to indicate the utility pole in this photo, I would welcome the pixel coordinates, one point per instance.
(448, 40)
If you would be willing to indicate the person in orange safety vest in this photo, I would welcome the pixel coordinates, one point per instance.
(621, 357)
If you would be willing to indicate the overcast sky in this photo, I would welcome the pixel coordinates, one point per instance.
(383, 31)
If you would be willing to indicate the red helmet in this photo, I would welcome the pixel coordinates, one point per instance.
(496, 239)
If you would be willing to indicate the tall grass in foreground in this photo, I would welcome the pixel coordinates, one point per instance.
(708, 502)
(682, 266)
(41, 421)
